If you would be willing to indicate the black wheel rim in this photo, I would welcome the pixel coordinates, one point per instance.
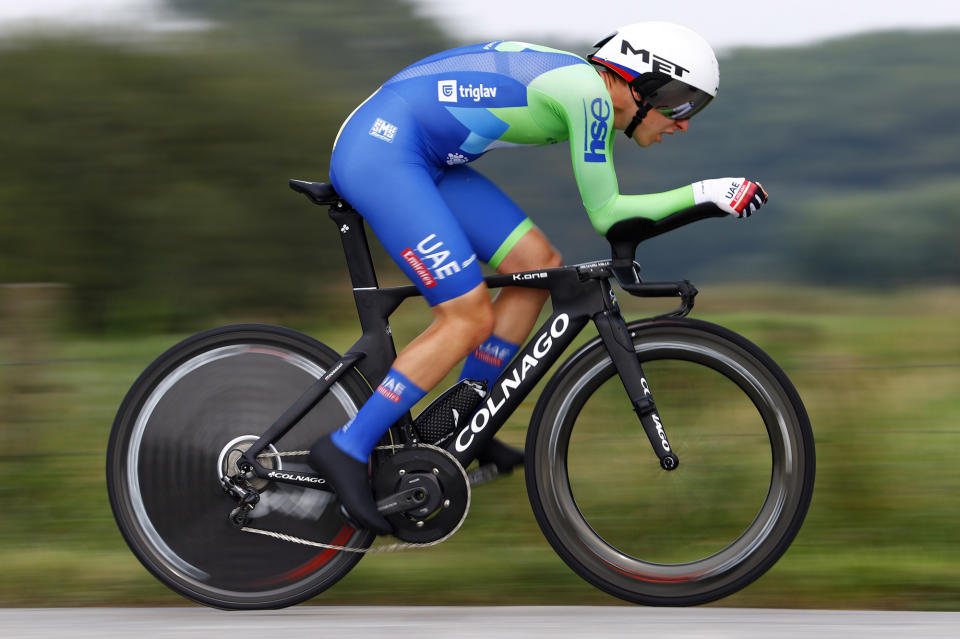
(628, 566)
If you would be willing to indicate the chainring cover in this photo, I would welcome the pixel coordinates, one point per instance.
(398, 468)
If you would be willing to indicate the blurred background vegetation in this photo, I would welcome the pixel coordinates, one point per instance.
(142, 180)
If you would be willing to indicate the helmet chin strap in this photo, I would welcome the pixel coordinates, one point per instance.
(642, 109)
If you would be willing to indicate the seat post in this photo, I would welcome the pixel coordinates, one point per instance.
(355, 246)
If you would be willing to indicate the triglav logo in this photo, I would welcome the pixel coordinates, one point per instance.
(475, 93)
(447, 90)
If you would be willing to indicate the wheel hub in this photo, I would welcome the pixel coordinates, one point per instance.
(231, 453)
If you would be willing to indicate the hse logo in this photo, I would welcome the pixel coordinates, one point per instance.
(430, 251)
(449, 91)
(595, 130)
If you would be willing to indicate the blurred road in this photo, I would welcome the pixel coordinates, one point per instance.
(457, 621)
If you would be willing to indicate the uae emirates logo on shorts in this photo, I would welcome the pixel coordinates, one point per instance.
(418, 267)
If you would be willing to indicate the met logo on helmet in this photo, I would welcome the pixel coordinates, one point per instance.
(595, 131)
(660, 65)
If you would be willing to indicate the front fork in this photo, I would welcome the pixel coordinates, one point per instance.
(613, 331)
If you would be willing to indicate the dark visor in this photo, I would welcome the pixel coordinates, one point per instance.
(675, 99)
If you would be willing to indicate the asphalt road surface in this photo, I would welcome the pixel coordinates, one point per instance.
(457, 621)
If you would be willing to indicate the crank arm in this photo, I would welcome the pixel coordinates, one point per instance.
(402, 501)
(420, 498)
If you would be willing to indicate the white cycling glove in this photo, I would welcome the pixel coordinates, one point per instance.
(737, 196)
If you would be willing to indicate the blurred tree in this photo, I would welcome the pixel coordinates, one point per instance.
(153, 180)
(367, 40)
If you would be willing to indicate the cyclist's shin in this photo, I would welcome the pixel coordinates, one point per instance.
(485, 364)
(394, 396)
(488, 360)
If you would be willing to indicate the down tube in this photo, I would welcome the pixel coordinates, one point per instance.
(515, 383)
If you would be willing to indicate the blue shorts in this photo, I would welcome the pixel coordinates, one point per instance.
(436, 217)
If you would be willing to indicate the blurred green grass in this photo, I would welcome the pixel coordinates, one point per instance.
(878, 371)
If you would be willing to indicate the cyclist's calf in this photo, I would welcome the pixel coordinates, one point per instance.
(517, 308)
(459, 326)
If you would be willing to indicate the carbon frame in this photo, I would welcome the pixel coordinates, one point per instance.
(580, 293)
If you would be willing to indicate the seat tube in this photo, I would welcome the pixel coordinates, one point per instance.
(355, 246)
(613, 331)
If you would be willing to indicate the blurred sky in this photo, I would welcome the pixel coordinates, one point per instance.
(725, 24)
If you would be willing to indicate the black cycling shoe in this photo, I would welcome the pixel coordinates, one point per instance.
(349, 480)
(506, 457)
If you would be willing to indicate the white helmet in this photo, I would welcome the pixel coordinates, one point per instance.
(673, 69)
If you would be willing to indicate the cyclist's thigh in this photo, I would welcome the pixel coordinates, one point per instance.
(378, 168)
(492, 221)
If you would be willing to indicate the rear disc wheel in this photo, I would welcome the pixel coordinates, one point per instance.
(188, 418)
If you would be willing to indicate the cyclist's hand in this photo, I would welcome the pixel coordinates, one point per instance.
(739, 197)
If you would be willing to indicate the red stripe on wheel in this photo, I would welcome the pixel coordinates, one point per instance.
(317, 562)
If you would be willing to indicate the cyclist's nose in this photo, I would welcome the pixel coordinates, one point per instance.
(683, 125)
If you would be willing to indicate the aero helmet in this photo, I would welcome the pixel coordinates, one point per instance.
(672, 68)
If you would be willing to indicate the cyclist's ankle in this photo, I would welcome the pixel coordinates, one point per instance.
(393, 398)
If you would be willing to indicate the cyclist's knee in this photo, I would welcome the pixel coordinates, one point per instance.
(468, 319)
(532, 252)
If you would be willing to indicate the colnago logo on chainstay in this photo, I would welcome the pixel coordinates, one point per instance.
(304, 478)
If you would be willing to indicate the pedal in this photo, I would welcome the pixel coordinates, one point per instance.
(482, 474)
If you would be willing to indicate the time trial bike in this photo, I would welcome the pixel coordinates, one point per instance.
(207, 473)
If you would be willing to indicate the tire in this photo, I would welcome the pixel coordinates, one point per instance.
(698, 533)
(207, 395)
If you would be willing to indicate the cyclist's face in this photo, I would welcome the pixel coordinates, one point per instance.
(655, 125)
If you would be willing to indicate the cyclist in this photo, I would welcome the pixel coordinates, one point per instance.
(401, 160)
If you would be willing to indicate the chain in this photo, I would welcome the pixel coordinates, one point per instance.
(289, 453)
(387, 548)
(317, 544)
